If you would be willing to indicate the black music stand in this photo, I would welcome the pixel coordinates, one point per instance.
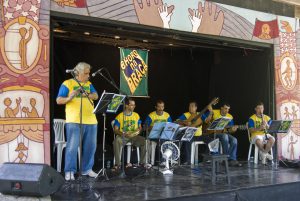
(108, 103)
(217, 125)
(155, 134)
(188, 134)
(276, 127)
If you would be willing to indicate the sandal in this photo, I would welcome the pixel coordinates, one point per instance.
(128, 165)
(116, 168)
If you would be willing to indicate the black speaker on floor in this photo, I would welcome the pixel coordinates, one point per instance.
(29, 179)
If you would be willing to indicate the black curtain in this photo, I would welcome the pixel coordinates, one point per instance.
(242, 79)
(175, 76)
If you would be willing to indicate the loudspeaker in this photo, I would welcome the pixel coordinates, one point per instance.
(29, 179)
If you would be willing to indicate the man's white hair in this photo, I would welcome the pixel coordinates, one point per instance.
(81, 66)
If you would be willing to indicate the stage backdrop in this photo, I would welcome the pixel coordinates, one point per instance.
(24, 82)
(211, 18)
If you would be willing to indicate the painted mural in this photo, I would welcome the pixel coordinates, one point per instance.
(24, 81)
(24, 59)
(206, 17)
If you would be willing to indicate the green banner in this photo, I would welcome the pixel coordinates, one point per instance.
(134, 72)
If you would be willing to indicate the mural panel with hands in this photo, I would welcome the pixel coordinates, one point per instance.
(208, 18)
(153, 13)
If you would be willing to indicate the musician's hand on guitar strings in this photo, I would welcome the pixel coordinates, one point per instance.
(234, 128)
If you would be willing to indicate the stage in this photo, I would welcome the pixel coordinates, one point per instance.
(247, 183)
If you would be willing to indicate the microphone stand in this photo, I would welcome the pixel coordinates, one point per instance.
(146, 140)
(112, 83)
(81, 184)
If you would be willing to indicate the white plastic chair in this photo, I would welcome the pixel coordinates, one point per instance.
(60, 142)
(194, 151)
(128, 144)
(153, 148)
(255, 146)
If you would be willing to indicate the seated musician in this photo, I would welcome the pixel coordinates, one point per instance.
(128, 123)
(159, 115)
(258, 124)
(188, 119)
(229, 142)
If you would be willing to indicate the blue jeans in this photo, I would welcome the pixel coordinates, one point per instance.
(229, 145)
(89, 144)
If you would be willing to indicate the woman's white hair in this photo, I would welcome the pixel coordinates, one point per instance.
(81, 66)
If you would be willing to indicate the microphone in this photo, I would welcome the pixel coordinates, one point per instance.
(70, 70)
(98, 71)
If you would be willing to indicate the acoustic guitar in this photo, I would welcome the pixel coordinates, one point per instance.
(193, 119)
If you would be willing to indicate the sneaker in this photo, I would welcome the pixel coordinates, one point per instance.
(269, 156)
(263, 157)
(69, 176)
(90, 173)
(148, 166)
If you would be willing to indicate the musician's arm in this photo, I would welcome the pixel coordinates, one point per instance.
(181, 120)
(117, 131)
(93, 95)
(139, 126)
(232, 128)
(148, 122)
(209, 117)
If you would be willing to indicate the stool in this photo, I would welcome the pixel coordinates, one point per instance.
(215, 167)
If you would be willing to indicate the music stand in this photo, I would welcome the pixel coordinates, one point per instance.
(189, 134)
(217, 125)
(279, 126)
(156, 131)
(155, 134)
(108, 103)
(169, 131)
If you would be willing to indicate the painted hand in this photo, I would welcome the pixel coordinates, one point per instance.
(195, 20)
(148, 13)
(18, 101)
(60, 2)
(212, 19)
(165, 16)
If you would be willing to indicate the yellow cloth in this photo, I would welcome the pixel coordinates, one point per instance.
(154, 118)
(217, 115)
(129, 122)
(73, 107)
(257, 123)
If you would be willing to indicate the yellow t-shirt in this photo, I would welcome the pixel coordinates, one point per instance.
(73, 106)
(217, 115)
(255, 122)
(153, 118)
(128, 122)
(186, 116)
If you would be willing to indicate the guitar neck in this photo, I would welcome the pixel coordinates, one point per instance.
(240, 127)
(199, 114)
